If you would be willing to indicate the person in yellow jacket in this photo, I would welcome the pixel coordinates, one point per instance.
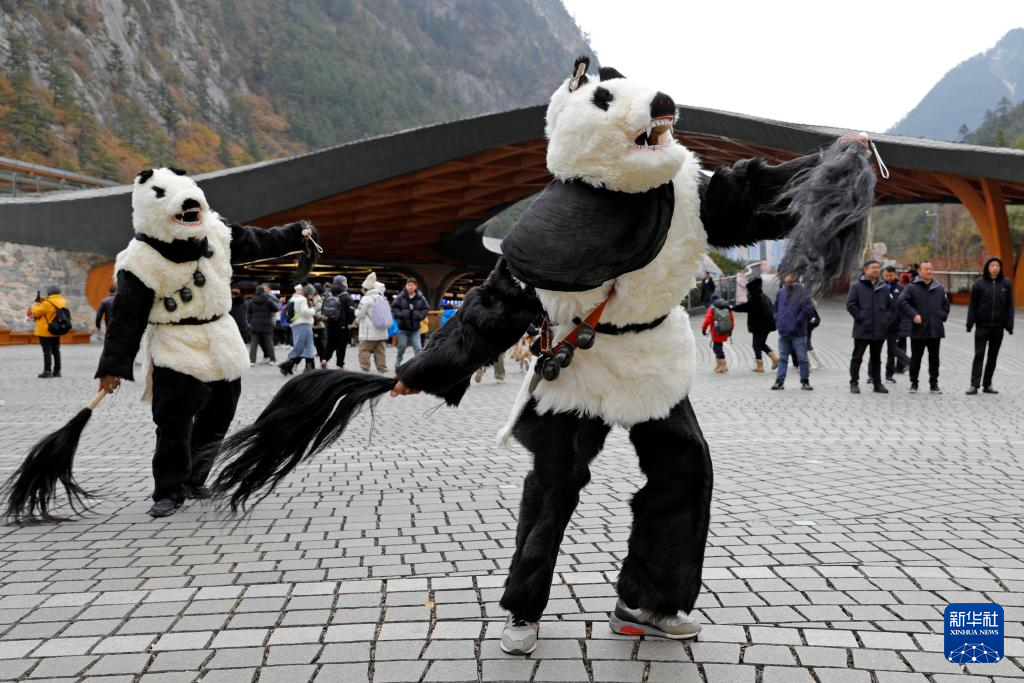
(44, 311)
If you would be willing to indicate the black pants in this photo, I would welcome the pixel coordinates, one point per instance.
(662, 570)
(263, 340)
(191, 419)
(337, 342)
(718, 349)
(917, 347)
(874, 359)
(320, 342)
(51, 354)
(896, 358)
(993, 338)
(761, 345)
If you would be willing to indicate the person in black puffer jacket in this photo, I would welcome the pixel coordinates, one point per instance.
(338, 318)
(924, 302)
(990, 311)
(760, 322)
(240, 314)
(263, 312)
(409, 308)
(870, 304)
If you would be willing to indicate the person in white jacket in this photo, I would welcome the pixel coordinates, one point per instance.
(373, 339)
(302, 319)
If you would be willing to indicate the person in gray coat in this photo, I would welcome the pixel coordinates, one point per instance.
(925, 304)
(870, 304)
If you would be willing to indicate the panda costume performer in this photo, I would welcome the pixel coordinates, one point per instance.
(602, 259)
(174, 298)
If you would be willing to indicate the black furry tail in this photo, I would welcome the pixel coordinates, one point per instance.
(830, 202)
(305, 416)
(31, 491)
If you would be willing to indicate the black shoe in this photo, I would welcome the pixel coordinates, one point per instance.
(890, 379)
(854, 388)
(972, 391)
(56, 373)
(989, 390)
(934, 389)
(197, 492)
(778, 386)
(165, 507)
(286, 367)
(880, 388)
(45, 374)
(806, 386)
(913, 387)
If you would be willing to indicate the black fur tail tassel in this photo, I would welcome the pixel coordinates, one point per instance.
(830, 202)
(306, 415)
(31, 491)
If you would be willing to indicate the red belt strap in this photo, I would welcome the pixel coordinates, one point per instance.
(591, 320)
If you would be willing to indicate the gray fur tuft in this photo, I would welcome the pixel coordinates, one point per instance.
(829, 203)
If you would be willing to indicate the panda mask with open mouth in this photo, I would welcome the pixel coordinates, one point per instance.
(614, 133)
(609, 209)
(168, 205)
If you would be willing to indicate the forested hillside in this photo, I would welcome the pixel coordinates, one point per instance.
(106, 87)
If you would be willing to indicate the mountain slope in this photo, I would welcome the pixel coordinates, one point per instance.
(963, 95)
(110, 86)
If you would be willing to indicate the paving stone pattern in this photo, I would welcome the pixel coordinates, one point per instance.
(842, 526)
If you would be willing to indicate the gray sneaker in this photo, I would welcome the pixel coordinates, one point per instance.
(645, 622)
(519, 637)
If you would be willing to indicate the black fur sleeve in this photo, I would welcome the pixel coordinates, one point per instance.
(738, 202)
(492, 318)
(125, 327)
(253, 244)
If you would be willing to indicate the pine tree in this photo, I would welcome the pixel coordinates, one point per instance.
(26, 119)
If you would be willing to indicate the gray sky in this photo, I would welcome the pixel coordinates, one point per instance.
(859, 65)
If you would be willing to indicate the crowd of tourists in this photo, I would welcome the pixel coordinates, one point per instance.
(888, 308)
(890, 311)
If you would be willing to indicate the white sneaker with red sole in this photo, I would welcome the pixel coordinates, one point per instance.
(645, 622)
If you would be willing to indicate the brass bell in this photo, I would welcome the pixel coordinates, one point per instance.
(170, 304)
(585, 337)
(186, 294)
(198, 279)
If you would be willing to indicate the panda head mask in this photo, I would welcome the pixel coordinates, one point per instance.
(613, 133)
(168, 205)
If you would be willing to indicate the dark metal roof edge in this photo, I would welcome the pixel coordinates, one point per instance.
(912, 153)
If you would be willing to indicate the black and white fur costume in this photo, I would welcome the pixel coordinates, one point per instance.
(174, 299)
(638, 373)
(629, 209)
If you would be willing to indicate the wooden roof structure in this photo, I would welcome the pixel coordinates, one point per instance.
(413, 200)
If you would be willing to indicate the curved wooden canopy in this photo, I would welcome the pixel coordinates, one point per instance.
(414, 199)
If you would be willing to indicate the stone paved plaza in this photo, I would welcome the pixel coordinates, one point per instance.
(842, 526)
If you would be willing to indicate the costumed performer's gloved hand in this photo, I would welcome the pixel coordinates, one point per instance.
(402, 390)
(109, 383)
(861, 140)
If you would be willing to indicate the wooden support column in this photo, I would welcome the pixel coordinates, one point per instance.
(988, 209)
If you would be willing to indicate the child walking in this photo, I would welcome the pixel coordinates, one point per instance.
(719, 318)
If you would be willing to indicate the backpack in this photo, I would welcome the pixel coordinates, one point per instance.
(331, 308)
(289, 311)
(723, 323)
(61, 323)
(380, 314)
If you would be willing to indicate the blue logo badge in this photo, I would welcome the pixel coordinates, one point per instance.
(974, 632)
